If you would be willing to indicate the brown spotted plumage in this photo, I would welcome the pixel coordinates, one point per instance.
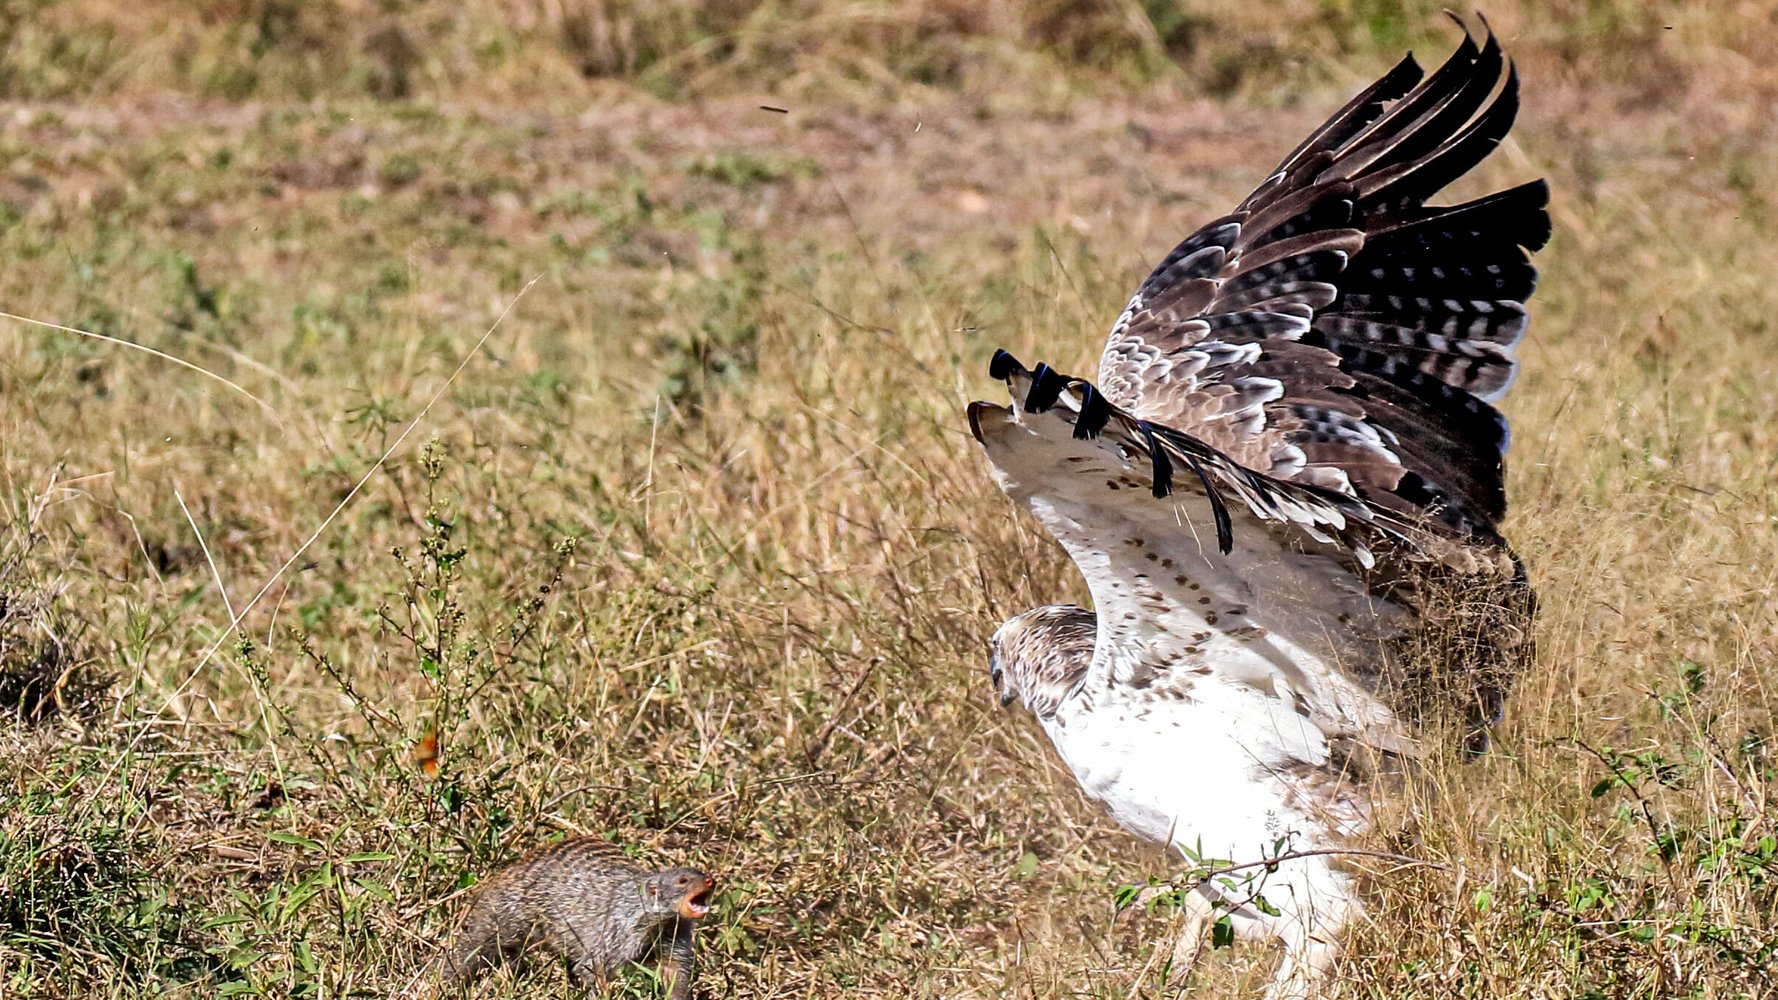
(1333, 329)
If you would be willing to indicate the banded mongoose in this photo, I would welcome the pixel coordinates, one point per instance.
(584, 900)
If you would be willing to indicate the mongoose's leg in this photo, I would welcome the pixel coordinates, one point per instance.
(478, 948)
(584, 940)
(678, 964)
(588, 973)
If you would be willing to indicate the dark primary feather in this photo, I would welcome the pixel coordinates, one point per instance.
(1375, 328)
(1363, 109)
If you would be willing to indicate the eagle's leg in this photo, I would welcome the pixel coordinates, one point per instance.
(1306, 965)
(1200, 916)
(1320, 906)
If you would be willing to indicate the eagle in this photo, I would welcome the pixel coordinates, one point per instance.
(1284, 491)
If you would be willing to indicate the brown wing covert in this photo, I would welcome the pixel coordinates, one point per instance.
(1334, 329)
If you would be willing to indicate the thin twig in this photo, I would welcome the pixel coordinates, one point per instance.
(1325, 852)
(1648, 816)
(1202, 876)
(654, 428)
(215, 574)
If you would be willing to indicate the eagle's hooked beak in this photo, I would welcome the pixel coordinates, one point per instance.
(998, 676)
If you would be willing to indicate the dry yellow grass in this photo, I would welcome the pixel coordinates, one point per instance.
(695, 552)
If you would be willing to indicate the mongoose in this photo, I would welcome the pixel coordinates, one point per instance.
(584, 900)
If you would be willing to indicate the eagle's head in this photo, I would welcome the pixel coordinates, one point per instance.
(1041, 656)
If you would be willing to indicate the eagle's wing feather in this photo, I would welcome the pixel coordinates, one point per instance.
(1148, 513)
(1335, 331)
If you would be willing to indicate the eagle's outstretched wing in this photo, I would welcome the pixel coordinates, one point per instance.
(1334, 330)
(1284, 494)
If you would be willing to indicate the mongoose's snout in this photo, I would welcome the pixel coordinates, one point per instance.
(696, 887)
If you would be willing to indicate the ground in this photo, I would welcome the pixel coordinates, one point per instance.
(582, 383)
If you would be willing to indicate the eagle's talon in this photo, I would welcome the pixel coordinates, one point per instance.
(1046, 388)
(1163, 466)
(1095, 412)
(1003, 366)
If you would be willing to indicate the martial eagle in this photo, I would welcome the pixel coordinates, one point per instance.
(1284, 492)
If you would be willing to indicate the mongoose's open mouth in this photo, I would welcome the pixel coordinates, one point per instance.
(696, 906)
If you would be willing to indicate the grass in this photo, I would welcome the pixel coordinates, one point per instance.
(694, 552)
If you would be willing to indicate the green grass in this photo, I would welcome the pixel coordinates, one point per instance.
(694, 551)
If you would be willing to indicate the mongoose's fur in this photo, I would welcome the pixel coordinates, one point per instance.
(584, 900)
